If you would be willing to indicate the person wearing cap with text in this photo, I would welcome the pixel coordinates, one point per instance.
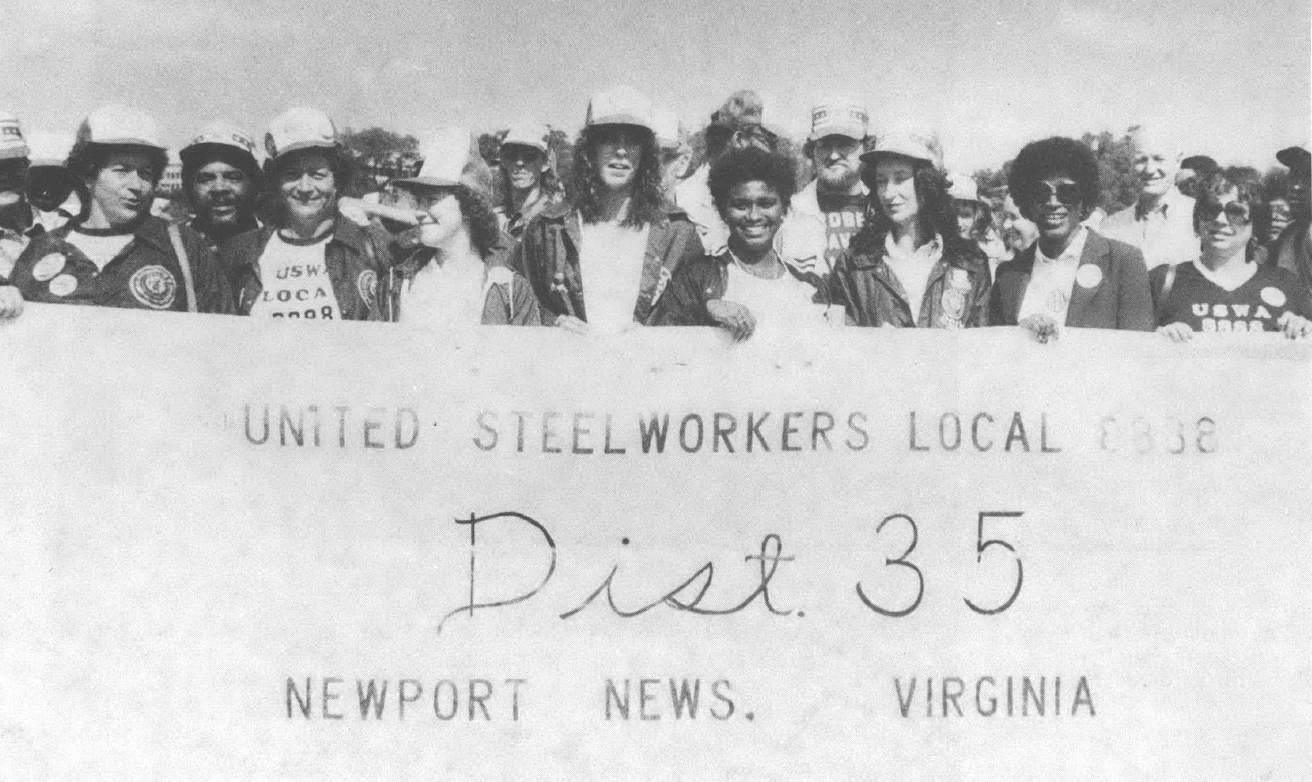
(459, 272)
(602, 262)
(221, 179)
(309, 262)
(1071, 276)
(908, 267)
(116, 254)
(829, 211)
(1160, 222)
(738, 123)
(528, 177)
(1293, 249)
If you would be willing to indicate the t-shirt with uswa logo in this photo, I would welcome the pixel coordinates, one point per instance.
(1257, 305)
(294, 276)
(845, 215)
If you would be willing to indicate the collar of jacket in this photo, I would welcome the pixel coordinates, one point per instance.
(345, 232)
(867, 251)
(725, 257)
(152, 230)
(1097, 251)
(498, 255)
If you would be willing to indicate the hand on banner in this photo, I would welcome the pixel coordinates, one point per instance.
(11, 302)
(1295, 326)
(732, 316)
(1042, 327)
(572, 324)
(1178, 332)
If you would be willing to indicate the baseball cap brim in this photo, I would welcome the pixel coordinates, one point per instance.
(851, 132)
(622, 119)
(299, 145)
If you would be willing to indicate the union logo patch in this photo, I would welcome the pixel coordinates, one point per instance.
(154, 287)
(367, 284)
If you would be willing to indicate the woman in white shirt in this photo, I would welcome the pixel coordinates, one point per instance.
(909, 267)
(457, 275)
(748, 287)
(602, 262)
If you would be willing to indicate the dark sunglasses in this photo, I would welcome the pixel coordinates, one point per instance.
(621, 136)
(1235, 213)
(1068, 193)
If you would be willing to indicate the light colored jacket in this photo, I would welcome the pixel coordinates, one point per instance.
(693, 196)
(1163, 236)
(803, 238)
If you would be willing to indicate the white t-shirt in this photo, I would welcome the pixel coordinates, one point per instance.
(610, 262)
(1052, 280)
(295, 280)
(912, 269)
(778, 304)
(100, 249)
(445, 294)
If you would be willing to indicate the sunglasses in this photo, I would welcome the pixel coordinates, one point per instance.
(624, 138)
(1068, 193)
(1235, 213)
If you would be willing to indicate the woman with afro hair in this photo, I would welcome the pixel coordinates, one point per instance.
(602, 262)
(748, 283)
(1071, 276)
(909, 267)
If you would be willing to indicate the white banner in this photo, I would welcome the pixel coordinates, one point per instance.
(284, 551)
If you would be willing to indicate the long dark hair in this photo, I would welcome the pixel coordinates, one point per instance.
(937, 211)
(646, 205)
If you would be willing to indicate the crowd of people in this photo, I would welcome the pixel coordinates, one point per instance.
(646, 233)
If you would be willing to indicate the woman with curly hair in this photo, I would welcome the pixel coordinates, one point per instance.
(1071, 276)
(908, 267)
(602, 262)
(456, 271)
(528, 178)
(1227, 289)
(748, 282)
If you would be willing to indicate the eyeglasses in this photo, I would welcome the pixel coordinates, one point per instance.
(1236, 213)
(1068, 193)
(620, 136)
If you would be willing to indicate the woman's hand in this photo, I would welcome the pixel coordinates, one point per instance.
(733, 316)
(571, 324)
(11, 302)
(1042, 327)
(1295, 326)
(1177, 332)
(359, 212)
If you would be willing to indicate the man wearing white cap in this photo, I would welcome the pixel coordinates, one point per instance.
(221, 178)
(1161, 222)
(829, 211)
(458, 275)
(603, 262)
(310, 262)
(117, 254)
(1293, 249)
(528, 176)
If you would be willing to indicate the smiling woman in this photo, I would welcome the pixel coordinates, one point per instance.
(1072, 276)
(308, 262)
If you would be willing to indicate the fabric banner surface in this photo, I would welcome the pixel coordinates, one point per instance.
(292, 551)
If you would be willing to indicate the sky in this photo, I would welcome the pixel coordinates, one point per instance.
(1227, 78)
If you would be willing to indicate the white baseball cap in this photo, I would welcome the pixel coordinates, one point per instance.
(221, 134)
(452, 158)
(670, 132)
(619, 106)
(122, 126)
(911, 144)
(963, 188)
(839, 116)
(528, 135)
(12, 143)
(299, 128)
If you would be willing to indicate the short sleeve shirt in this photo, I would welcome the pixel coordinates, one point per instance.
(1257, 305)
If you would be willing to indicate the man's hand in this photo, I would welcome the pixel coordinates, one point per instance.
(1177, 332)
(1295, 326)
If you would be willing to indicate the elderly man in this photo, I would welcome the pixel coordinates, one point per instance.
(829, 211)
(1160, 222)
